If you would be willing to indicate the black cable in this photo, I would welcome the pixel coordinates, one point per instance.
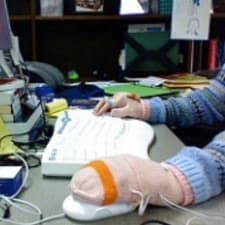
(38, 141)
(17, 134)
(33, 161)
(4, 136)
(4, 209)
(154, 221)
(9, 160)
(42, 141)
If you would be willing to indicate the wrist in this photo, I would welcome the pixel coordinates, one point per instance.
(145, 109)
(188, 195)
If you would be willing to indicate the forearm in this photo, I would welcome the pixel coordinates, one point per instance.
(204, 169)
(204, 106)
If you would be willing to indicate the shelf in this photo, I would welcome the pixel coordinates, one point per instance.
(88, 17)
(106, 17)
(84, 40)
(20, 18)
(103, 17)
(218, 16)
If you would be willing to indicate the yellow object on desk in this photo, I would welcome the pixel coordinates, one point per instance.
(6, 144)
(54, 108)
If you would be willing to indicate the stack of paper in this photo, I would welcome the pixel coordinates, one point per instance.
(185, 80)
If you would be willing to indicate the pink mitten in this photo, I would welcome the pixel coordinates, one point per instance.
(124, 104)
(126, 178)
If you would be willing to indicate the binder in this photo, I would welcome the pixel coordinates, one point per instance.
(150, 52)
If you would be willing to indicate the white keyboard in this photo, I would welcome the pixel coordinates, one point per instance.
(80, 136)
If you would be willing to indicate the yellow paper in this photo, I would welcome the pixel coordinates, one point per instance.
(6, 144)
(55, 107)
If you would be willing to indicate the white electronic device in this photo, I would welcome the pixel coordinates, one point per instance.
(85, 211)
(29, 126)
(80, 136)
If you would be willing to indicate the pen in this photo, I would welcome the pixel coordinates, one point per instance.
(133, 96)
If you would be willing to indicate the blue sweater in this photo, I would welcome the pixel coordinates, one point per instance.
(204, 168)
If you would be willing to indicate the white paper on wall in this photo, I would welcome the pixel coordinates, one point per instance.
(191, 19)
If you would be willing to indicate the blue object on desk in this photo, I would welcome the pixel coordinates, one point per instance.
(11, 178)
(80, 91)
(45, 93)
(84, 103)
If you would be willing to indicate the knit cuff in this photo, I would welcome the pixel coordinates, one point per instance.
(200, 170)
(157, 110)
(145, 109)
(187, 190)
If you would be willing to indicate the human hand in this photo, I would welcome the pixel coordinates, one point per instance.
(107, 103)
(101, 182)
(122, 104)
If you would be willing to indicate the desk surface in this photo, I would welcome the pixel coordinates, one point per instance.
(48, 193)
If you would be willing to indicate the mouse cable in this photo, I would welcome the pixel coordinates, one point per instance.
(26, 175)
(33, 160)
(196, 214)
(6, 202)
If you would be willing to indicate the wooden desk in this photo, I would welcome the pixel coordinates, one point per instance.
(48, 193)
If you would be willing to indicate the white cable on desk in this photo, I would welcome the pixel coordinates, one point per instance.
(11, 201)
(25, 176)
(45, 220)
(197, 215)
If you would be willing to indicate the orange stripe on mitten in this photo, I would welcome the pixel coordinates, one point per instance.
(108, 182)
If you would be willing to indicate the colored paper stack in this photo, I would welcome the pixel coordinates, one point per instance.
(10, 106)
(185, 80)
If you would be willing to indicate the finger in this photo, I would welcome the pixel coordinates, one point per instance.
(100, 104)
(105, 108)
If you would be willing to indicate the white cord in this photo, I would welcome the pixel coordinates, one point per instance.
(143, 202)
(26, 175)
(12, 201)
(45, 220)
(31, 205)
(194, 218)
(197, 214)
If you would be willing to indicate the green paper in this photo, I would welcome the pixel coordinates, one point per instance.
(139, 90)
